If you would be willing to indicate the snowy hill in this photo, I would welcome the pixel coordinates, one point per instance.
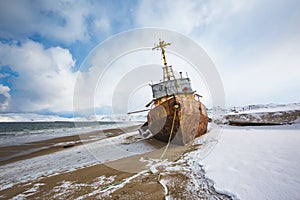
(270, 114)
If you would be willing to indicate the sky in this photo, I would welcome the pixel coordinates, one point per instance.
(254, 45)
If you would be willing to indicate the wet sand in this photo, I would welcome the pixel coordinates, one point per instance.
(14, 153)
(85, 181)
(126, 178)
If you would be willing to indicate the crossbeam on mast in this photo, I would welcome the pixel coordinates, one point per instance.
(160, 46)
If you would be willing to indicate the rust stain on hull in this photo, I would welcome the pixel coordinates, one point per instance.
(190, 120)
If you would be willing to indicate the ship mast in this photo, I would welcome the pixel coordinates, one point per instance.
(161, 45)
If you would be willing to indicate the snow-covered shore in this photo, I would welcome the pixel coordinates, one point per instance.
(256, 163)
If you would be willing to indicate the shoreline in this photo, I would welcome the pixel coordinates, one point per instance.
(13, 153)
(130, 177)
(121, 168)
(185, 172)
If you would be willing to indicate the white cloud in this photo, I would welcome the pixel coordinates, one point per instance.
(271, 74)
(45, 79)
(182, 16)
(256, 50)
(60, 20)
(254, 44)
(186, 16)
(102, 25)
(3, 75)
(4, 97)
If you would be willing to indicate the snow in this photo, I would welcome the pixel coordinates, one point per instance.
(74, 158)
(256, 163)
(184, 178)
(29, 192)
(267, 108)
(113, 188)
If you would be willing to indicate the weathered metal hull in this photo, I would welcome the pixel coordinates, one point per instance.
(181, 117)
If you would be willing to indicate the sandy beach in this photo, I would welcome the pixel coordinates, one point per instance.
(129, 177)
(14, 153)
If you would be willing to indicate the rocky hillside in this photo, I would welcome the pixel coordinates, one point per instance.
(273, 115)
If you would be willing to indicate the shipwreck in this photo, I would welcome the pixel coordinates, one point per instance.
(176, 114)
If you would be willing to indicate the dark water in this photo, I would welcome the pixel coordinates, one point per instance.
(31, 126)
(17, 129)
(12, 133)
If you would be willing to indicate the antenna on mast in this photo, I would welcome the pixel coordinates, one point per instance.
(160, 46)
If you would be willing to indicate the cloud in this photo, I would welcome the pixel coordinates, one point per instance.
(58, 20)
(45, 78)
(4, 97)
(254, 44)
(188, 16)
(4, 75)
(64, 21)
(256, 50)
(271, 74)
(182, 16)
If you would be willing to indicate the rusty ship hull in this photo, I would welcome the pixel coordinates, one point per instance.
(178, 120)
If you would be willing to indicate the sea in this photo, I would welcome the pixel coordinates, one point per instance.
(14, 133)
